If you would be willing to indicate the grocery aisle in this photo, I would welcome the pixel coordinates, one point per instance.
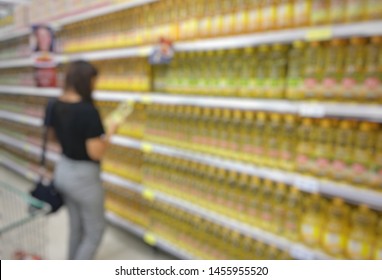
(117, 244)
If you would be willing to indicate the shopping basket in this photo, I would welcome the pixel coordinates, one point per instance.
(23, 225)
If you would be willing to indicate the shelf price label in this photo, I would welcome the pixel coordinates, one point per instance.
(146, 99)
(148, 194)
(300, 253)
(147, 148)
(319, 34)
(307, 184)
(150, 239)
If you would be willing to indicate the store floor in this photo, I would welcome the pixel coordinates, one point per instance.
(117, 244)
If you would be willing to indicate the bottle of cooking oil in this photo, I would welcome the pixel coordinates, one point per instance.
(333, 69)
(247, 74)
(293, 215)
(355, 10)
(363, 151)
(376, 181)
(284, 14)
(260, 141)
(267, 204)
(288, 143)
(336, 228)
(324, 146)
(319, 12)
(354, 70)
(372, 90)
(253, 210)
(243, 196)
(343, 146)
(295, 74)
(272, 133)
(336, 11)
(302, 12)
(240, 17)
(377, 253)
(362, 234)
(268, 14)
(277, 72)
(312, 220)
(373, 9)
(305, 145)
(280, 197)
(262, 70)
(247, 136)
(314, 57)
(254, 16)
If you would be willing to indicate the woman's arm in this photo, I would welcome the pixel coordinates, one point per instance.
(96, 147)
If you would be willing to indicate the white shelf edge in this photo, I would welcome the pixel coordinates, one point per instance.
(24, 119)
(306, 109)
(256, 233)
(140, 232)
(305, 183)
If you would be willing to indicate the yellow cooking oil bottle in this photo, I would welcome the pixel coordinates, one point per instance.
(354, 70)
(262, 70)
(275, 83)
(343, 147)
(247, 76)
(355, 10)
(293, 214)
(336, 11)
(268, 14)
(254, 16)
(376, 181)
(272, 133)
(372, 91)
(334, 61)
(336, 228)
(362, 235)
(313, 219)
(305, 146)
(377, 252)
(248, 134)
(279, 197)
(313, 70)
(254, 199)
(363, 152)
(302, 12)
(295, 74)
(288, 143)
(319, 12)
(260, 140)
(284, 14)
(267, 204)
(373, 9)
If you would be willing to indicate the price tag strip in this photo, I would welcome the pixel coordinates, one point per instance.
(150, 239)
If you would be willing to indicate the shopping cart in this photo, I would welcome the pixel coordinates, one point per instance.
(23, 225)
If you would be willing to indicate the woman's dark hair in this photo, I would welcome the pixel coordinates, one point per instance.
(79, 78)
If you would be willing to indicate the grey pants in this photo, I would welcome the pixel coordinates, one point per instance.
(80, 185)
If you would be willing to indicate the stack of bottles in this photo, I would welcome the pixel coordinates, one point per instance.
(190, 19)
(15, 48)
(17, 77)
(342, 150)
(124, 162)
(338, 70)
(127, 204)
(328, 224)
(23, 104)
(124, 74)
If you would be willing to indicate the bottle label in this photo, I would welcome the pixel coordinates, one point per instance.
(333, 242)
(241, 21)
(354, 8)
(268, 16)
(310, 232)
(253, 18)
(359, 250)
(284, 14)
(300, 12)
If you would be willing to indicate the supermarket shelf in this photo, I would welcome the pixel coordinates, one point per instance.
(26, 147)
(24, 119)
(305, 183)
(369, 28)
(306, 109)
(18, 169)
(297, 250)
(141, 233)
(100, 12)
(12, 33)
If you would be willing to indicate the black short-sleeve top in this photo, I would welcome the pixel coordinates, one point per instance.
(73, 124)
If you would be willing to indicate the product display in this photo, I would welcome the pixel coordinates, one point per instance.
(231, 151)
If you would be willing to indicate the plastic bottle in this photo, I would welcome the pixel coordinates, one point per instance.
(319, 12)
(293, 215)
(288, 143)
(343, 146)
(336, 228)
(337, 11)
(333, 70)
(302, 12)
(284, 14)
(247, 73)
(363, 151)
(355, 10)
(279, 210)
(314, 57)
(262, 70)
(362, 234)
(260, 141)
(267, 204)
(248, 134)
(253, 210)
(372, 91)
(313, 219)
(272, 133)
(373, 9)
(295, 74)
(275, 84)
(268, 14)
(354, 70)
(305, 146)
(254, 16)
(377, 253)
